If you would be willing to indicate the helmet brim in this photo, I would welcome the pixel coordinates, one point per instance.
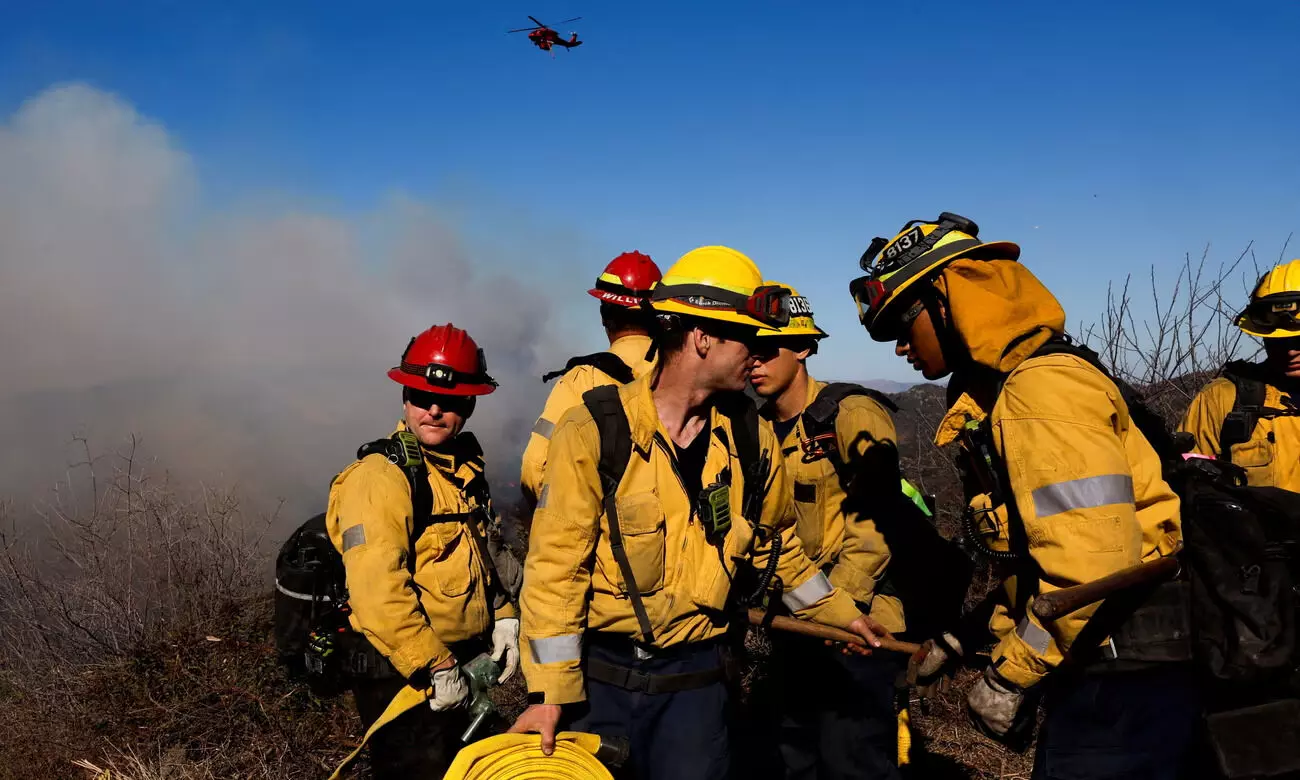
(604, 296)
(420, 383)
(814, 332)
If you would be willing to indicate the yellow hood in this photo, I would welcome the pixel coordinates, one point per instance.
(1000, 310)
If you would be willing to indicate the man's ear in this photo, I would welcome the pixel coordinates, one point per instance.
(702, 340)
(803, 354)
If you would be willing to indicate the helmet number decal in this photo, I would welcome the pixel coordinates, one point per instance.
(903, 243)
(799, 306)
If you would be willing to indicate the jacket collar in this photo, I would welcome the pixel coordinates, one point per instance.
(643, 417)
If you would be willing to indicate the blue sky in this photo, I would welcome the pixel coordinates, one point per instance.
(1101, 137)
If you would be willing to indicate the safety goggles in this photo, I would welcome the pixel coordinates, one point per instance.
(1276, 312)
(769, 304)
(868, 294)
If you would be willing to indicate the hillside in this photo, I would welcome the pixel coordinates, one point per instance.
(145, 644)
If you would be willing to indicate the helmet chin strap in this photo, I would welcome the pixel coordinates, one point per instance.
(955, 354)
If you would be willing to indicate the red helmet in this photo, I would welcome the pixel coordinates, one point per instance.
(627, 280)
(444, 359)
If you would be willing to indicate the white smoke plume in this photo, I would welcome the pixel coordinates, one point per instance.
(242, 348)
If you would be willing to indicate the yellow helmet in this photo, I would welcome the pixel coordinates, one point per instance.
(1274, 304)
(801, 316)
(919, 252)
(719, 283)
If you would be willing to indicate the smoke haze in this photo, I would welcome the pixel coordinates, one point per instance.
(244, 349)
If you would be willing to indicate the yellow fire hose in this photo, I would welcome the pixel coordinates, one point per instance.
(514, 756)
(904, 737)
(406, 699)
(503, 756)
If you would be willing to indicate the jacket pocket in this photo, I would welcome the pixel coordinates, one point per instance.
(1256, 456)
(988, 524)
(641, 521)
(715, 566)
(451, 563)
(809, 503)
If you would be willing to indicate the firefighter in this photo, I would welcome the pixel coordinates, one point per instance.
(428, 592)
(1249, 416)
(660, 497)
(621, 289)
(836, 717)
(1063, 488)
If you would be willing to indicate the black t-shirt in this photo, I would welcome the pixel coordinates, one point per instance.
(690, 462)
(783, 427)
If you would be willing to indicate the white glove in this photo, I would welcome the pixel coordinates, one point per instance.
(994, 703)
(930, 670)
(450, 688)
(505, 647)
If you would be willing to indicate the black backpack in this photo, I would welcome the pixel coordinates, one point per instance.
(928, 573)
(314, 640)
(607, 362)
(616, 451)
(1241, 554)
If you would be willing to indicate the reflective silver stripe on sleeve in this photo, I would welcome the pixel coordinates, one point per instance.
(546, 493)
(543, 427)
(555, 649)
(1034, 635)
(807, 594)
(354, 536)
(1084, 493)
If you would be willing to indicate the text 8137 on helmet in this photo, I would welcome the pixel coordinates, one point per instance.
(898, 267)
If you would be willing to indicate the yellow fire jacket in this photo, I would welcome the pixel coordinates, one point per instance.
(1084, 482)
(567, 394)
(411, 617)
(572, 582)
(847, 544)
(1272, 455)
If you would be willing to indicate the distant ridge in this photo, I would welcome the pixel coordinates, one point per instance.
(883, 385)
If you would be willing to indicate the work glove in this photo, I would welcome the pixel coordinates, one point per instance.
(450, 689)
(505, 647)
(931, 668)
(997, 708)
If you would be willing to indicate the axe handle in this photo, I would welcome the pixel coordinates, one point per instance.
(793, 626)
(1058, 603)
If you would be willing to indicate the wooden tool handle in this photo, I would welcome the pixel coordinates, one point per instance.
(793, 626)
(1058, 603)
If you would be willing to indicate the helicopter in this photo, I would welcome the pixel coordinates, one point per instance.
(543, 37)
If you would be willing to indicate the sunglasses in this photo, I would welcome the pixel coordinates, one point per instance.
(423, 399)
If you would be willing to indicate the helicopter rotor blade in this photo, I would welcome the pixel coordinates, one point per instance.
(574, 19)
(524, 29)
(536, 21)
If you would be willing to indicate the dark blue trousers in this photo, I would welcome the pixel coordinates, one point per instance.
(837, 719)
(672, 736)
(1136, 725)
